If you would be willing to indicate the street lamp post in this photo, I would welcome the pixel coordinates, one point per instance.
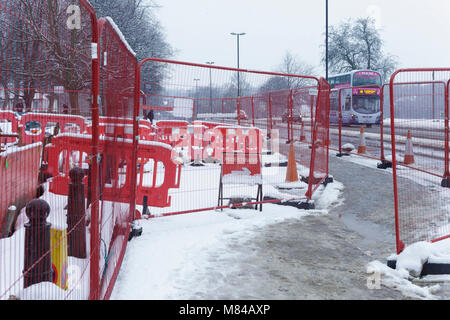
(196, 94)
(237, 36)
(210, 85)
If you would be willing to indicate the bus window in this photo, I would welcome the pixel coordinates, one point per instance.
(365, 78)
(334, 101)
(348, 103)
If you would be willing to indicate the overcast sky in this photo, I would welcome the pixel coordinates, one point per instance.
(416, 31)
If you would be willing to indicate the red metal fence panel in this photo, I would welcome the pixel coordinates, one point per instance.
(420, 151)
(118, 152)
(74, 88)
(218, 111)
(47, 78)
(321, 141)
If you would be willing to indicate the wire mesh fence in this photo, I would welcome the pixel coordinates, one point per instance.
(225, 123)
(419, 139)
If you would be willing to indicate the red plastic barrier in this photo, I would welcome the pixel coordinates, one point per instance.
(160, 158)
(170, 132)
(20, 169)
(64, 154)
(40, 120)
(208, 124)
(68, 151)
(238, 147)
(171, 124)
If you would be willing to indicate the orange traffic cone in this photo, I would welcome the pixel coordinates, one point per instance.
(409, 153)
(291, 173)
(362, 142)
(302, 133)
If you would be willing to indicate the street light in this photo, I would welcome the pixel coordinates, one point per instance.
(196, 85)
(210, 85)
(237, 36)
(196, 94)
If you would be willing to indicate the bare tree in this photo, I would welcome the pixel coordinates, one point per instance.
(40, 52)
(291, 65)
(358, 45)
(143, 32)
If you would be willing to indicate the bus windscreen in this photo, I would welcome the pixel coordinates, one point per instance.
(366, 104)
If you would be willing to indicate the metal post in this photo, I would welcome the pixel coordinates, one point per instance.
(37, 264)
(238, 65)
(196, 92)
(433, 98)
(210, 85)
(76, 238)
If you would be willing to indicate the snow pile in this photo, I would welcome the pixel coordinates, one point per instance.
(399, 280)
(409, 268)
(349, 147)
(329, 197)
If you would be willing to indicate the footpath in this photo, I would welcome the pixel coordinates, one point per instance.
(318, 256)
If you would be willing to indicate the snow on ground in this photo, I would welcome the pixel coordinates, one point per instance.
(164, 262)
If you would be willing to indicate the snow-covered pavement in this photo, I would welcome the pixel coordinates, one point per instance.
(186, 257)
(338, 251)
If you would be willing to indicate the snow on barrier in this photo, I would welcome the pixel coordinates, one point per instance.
(9, 125)
(419, 110)
(258, 101)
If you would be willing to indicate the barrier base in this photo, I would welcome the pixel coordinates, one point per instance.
(428, 268)
(211, 160)
(302, 205)
(280, 164)
(328, 180)
(384, 164)
(136, 231)
(340, 155)
(243, 201)
(317, 180)
(445, 182)
(196, 164)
